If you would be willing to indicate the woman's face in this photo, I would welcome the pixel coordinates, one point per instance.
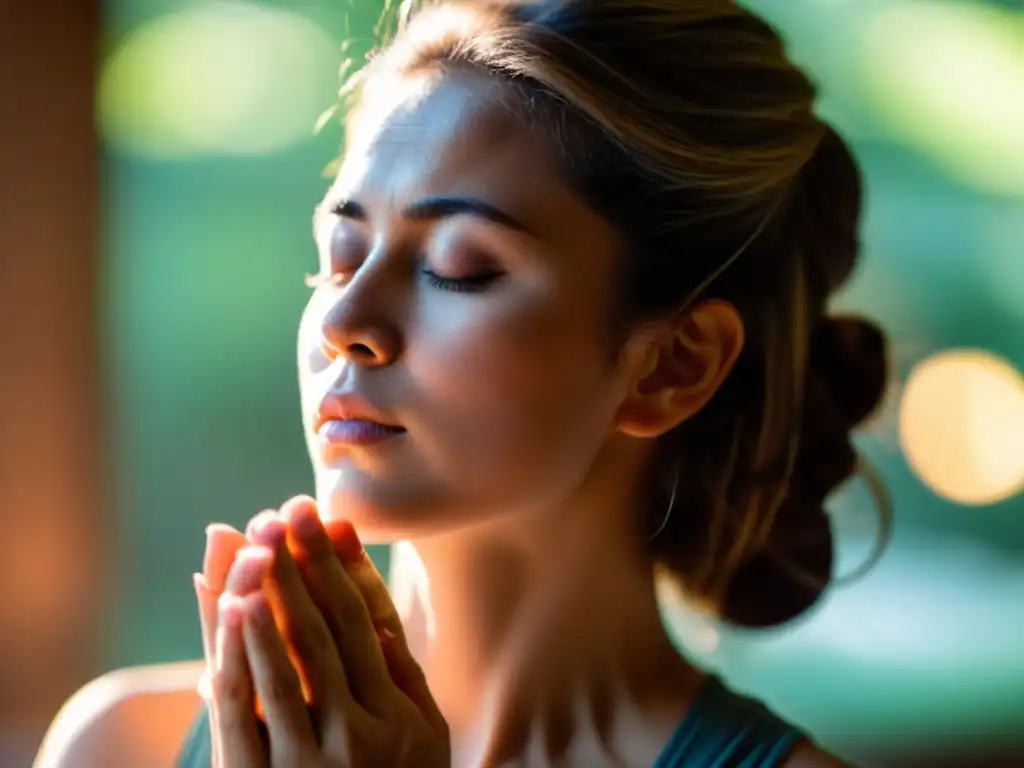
(462, 303)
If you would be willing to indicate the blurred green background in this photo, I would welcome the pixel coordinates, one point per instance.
(211, 173)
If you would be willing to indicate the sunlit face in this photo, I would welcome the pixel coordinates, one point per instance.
(463, 294)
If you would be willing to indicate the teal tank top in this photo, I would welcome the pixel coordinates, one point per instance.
(726, 730)
(721, 730)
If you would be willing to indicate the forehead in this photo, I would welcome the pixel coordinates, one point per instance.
(456, 133)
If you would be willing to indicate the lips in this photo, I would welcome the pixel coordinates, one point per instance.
(346, 407)
(346, 421)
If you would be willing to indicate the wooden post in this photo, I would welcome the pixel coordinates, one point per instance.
(52, 531)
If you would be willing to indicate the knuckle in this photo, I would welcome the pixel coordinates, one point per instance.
(319, 554)
(360, 743)
(312, 644)
(283, 688)
(231, 688)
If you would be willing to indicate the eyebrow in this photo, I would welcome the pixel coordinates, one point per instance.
(438, 208)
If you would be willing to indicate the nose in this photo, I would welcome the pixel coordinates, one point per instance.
(360, 326)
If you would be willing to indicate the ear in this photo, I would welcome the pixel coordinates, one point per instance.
(678, 370)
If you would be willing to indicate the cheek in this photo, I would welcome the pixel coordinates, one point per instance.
(511, 350)
(515, 384)
(310, 328)
(311, 362)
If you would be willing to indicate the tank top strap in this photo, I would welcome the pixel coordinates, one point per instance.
(726, 730)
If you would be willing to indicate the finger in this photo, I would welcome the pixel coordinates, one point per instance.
(256, 524)
(292, 738)
(302, 625)
(208, 623)
(207, 605)
(342, 606)
(248, 573)
(402, 666)
(250, 570)
(222, 543)
(371, 585)
(236, 734)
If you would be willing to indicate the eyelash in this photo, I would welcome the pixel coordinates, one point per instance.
(454, 284)
(468, 284)
(460, 284)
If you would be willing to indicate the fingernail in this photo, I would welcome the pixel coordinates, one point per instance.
(259, 521)
(306, 524)
(267, 529)
(272, 534)
(231, 611)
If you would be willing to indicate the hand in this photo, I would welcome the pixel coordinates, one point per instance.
(222, 546)
(369, 701)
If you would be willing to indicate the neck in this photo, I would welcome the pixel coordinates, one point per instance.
(542, 637)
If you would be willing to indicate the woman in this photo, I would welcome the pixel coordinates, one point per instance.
(568, 331)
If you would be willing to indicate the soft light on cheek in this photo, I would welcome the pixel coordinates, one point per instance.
(466, 353)
(310, 347)
(312, 360)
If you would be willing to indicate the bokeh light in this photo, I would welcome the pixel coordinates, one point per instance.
(229, 78)
(949, 79)
(962, 426)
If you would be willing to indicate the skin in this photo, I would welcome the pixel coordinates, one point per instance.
(527, 606)
(303, 621)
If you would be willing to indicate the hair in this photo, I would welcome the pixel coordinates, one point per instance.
(684, 124)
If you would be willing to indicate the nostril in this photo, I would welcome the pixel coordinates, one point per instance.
(361, 352)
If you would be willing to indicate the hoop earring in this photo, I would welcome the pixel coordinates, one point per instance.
(883, 505)
(668, 512)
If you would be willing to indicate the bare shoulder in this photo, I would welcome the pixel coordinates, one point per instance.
(807, 754)
(142, 711)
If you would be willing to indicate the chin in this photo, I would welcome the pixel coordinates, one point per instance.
(382, 512)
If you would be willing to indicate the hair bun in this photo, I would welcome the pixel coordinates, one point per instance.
(848, 356)
(846, 378)
(788, 576)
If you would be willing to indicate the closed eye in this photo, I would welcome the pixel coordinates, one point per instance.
(470, 283)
